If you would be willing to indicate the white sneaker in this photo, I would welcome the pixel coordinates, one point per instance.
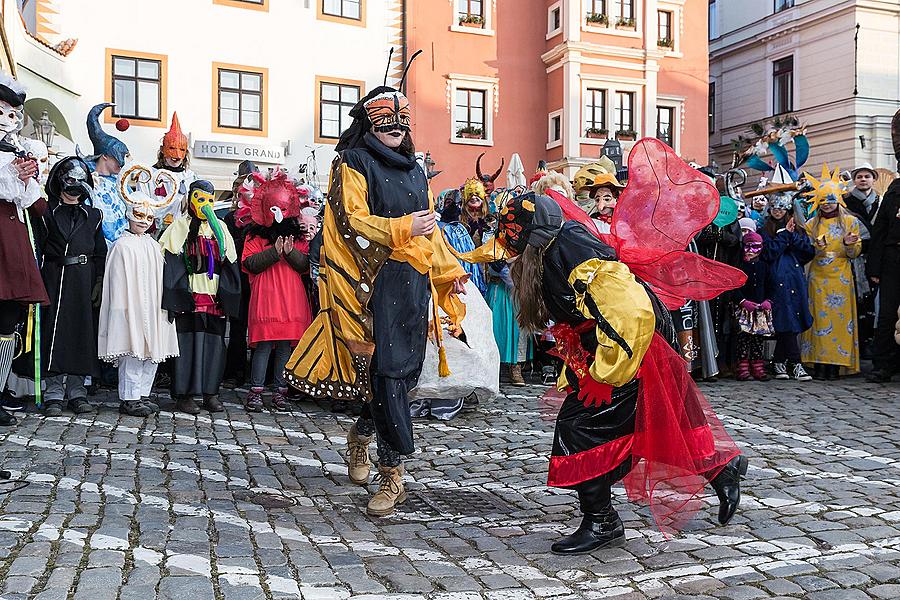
(800, 373)
(781, 371)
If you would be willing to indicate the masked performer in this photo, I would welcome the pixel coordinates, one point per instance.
(110, 154)
(20, 206)
(74, 254)
(605, 193)
(457, 234)
(135, 331)
(275, 255)
(174, 159)
(201, 287)
(631, 406)
(383, 260)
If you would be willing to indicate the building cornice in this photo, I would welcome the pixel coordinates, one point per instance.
(558, 52)
(777, 25)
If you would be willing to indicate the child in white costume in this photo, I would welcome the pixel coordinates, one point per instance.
(134, 329)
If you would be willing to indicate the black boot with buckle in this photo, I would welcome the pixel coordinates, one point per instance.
(601, 526)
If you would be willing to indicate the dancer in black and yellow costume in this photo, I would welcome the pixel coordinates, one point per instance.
(383, 262)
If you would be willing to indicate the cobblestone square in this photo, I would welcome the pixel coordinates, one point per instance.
(247, 506)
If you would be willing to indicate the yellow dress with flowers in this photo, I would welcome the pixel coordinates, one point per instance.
(833, 338)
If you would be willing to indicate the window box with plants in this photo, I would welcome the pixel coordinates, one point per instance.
(626, 23)
(665, 43)
(596, 133)
(598, 20)
(626, 135)
(470, 133)
(472, 21)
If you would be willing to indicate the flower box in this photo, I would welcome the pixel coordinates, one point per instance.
(665, 43)
(627, 24)
(470, 133)
(472, 21)
(626, 135)
(598, 20)
(596, 134)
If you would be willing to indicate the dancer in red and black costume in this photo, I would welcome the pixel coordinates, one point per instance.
(631, 409)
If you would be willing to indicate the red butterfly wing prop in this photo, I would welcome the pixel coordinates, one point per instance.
(665, 204)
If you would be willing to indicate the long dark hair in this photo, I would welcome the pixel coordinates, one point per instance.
(526, 273)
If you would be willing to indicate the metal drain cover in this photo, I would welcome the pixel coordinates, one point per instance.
(455, 502)
(266, 500)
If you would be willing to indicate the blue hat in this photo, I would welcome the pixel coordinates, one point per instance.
(104, 144)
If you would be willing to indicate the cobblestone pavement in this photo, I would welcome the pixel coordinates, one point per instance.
(241, 506)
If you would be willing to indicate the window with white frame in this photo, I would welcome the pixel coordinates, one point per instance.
(595, 111)
(781, 5)
(713, 20)
(665, 37)
(554, 19)
(555, 128)
(665, 125)
(624, 113)
(623, 12)
(596, 12)
(470, 12)
(469, 114)
(783, 85)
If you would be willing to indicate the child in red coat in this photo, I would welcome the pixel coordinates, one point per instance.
(276, 254)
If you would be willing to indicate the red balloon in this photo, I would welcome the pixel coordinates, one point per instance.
(122, 124)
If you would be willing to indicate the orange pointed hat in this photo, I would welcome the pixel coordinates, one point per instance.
(175, 143)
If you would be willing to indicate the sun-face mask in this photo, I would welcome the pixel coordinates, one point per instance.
(389, 111)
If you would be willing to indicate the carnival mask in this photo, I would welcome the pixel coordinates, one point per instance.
(388, 111)
(75, 180)
(753, 246)
(202, 204)
(140, 210)
(606, 201)
(175, 143)
(528, 219)
(11, 118)
(200, 198)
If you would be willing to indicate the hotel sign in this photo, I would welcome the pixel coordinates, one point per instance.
(237, 151)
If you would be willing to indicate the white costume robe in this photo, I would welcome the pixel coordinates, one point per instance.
(132, 321)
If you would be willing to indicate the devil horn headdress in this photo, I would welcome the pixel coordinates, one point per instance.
(481, 175)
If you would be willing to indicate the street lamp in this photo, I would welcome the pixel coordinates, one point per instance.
(612, 150)
(429, 166)
(45, 129)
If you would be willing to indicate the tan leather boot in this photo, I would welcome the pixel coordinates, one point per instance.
(515, 375)
(389, 494)
(358, 464)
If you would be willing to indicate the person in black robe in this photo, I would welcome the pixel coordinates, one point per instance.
(71, 241)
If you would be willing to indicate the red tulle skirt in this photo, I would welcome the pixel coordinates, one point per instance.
(677, 446)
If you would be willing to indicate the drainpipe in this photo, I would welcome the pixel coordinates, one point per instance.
(404, 37)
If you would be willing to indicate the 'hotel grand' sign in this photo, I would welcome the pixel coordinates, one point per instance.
(237, 151)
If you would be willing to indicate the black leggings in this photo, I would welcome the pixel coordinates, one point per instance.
(11, 312)
(787, 348)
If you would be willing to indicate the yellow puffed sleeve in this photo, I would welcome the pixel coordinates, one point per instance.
(606, 290)
(393, 233)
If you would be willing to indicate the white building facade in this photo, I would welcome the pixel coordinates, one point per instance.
(833, 64)
(264, 80)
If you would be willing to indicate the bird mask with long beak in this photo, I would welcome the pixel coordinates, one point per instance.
(201, 196)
